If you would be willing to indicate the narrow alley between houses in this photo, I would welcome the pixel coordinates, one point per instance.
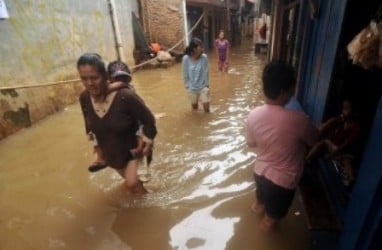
(201, 178)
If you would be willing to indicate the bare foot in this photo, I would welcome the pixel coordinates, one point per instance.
(139, 190)
(258, 208)
(267, 224)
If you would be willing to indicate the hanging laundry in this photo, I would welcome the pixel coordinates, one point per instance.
(3, 10)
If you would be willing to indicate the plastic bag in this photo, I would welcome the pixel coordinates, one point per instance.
(366, 47)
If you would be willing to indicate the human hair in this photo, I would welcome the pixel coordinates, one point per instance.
(194, 43)
(353, 104)
(117, 65)
(92, 59)
(278, 77)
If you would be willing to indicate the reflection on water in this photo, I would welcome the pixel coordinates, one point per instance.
(201, 176)
(191, 232)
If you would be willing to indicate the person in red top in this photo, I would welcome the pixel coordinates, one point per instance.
(339, 135)
(263, 31)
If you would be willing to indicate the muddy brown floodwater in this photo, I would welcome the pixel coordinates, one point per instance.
(201, 177)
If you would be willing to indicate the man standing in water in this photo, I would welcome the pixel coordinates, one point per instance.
(281, 136)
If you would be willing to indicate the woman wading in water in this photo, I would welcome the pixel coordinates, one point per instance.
(114, 118)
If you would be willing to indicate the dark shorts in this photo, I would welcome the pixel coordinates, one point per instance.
(276, 199)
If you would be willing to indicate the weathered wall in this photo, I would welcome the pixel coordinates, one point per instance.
(41, 42)
(165, 22)
(124, 9)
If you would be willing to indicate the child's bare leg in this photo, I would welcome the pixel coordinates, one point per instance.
(225, 67)
(315, 151)
(99, 163)
(99, 154)
(220, 65)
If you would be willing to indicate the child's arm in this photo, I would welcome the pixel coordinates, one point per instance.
(329, 124)
(350, 141)
(116, 86)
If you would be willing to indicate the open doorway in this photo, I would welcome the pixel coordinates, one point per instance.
(352, 82)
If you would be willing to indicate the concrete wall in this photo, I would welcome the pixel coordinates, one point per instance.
(165, 22)
(41, 42)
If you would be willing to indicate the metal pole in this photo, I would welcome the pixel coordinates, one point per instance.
(228, 20)
(205, 29)
(184, 10)
(116, 30)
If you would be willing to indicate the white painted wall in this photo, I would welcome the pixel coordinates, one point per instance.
(41, 41)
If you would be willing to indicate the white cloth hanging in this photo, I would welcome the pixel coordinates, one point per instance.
(3, 10)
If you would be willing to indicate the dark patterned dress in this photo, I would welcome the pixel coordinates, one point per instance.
(116, 130)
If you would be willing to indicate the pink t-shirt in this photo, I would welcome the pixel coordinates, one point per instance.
(282, 136)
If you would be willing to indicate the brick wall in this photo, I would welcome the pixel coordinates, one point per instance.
(163, 22)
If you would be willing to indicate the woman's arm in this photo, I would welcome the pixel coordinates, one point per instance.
(143, 114)
(84, 109)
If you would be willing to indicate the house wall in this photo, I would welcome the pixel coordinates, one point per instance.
(317, 71)
(40, 43)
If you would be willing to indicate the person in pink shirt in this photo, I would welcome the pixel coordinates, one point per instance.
(281, 137)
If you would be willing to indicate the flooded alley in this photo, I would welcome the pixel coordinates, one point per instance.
(201, 177)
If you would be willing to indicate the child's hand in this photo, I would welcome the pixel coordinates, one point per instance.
(136, 152)
(147, 149)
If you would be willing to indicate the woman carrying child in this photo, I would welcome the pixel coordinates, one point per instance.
(114, 118)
